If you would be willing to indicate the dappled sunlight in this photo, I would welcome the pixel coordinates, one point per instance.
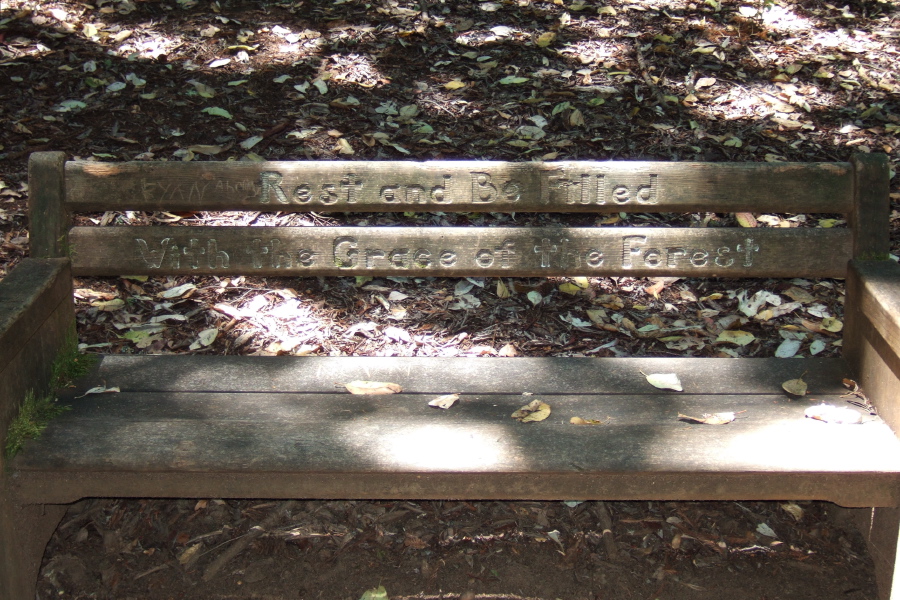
(435, 447)
(814, 445)
(781, 18)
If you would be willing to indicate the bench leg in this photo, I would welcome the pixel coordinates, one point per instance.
(882, 536)
(24, 534)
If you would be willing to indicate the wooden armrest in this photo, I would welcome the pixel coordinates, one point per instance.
(873, 292)
(36, 316)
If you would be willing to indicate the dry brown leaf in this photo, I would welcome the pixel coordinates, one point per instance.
(580, 421)
(721, 418)
(445, 401)
(532, 412)
(373, 388)
(795, 387)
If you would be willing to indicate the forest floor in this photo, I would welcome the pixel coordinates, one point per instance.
(117, 80)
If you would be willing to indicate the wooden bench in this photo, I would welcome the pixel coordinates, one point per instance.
(276, 427)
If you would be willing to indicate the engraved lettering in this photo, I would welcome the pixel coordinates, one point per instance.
(673, 254)
(621, 194)
(441, 193)
(302, 194)
(629, 249)
(748, 248)
(415, 194)
(345, 252)
(329, 194)
(153, 258)
(653, 257)
(388, 193)
(512, 191)
(570, 259)
(560, 186)
(422, 258)
(399, 258)
(601, 189)
(594, 258)
(372, 254)
(483, 191)
(506, 253)
(721, 259)
(584, 187)
(699, 258)
(484, 258)
(545, 250)
(270, 183)
(256, 251)
(193, 251)
(647, 194)
(447, 258)
(350, 185)
(280, 259)
(215, 258)
(306, 258)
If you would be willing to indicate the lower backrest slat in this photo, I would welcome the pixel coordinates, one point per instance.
(462, 251)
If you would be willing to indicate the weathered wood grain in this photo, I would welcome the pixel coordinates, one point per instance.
(467, 251)
(461, 186)
(48, 219)
(869, 218)
(872, 333)
(399, 435)
(442, 375)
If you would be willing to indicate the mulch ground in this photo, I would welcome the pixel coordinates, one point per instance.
(182, 80)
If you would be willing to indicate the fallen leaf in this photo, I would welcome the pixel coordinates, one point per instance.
(795, 387)
(100, 389)
(580, 421)
(765, 530)
(507, 350)
(534, 297)
(378, 593)
(545, 39)
(454, 85)
(569, 288)
(372, 388)
(502, 289)
(788, 348)
(746, 219)
(721, 418)
(664, 381)
(832, 324)
(793, 509)
(736, 336)
(445, 401)
(109, 305)
(177, 291)
(532, 412)
(217, 112)
(833, 414)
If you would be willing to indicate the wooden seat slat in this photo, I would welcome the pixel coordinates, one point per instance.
(443, 375)
(341, 433)
(461, 251)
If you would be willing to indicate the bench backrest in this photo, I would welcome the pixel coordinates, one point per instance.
(857, 189)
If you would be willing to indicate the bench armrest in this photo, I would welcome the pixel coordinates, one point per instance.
(872, 333)
(36, 318)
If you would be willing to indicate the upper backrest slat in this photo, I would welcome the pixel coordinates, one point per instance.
(461, 186)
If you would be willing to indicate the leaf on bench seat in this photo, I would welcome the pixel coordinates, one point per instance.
(532, 412)
(795, 387)
(721, 418)
(664, 381)
(373, 388)
(445, 401)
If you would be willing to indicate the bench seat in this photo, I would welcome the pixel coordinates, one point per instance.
(224, 425)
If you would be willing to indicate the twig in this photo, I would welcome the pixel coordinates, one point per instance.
(609, 542)
(240, 545)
